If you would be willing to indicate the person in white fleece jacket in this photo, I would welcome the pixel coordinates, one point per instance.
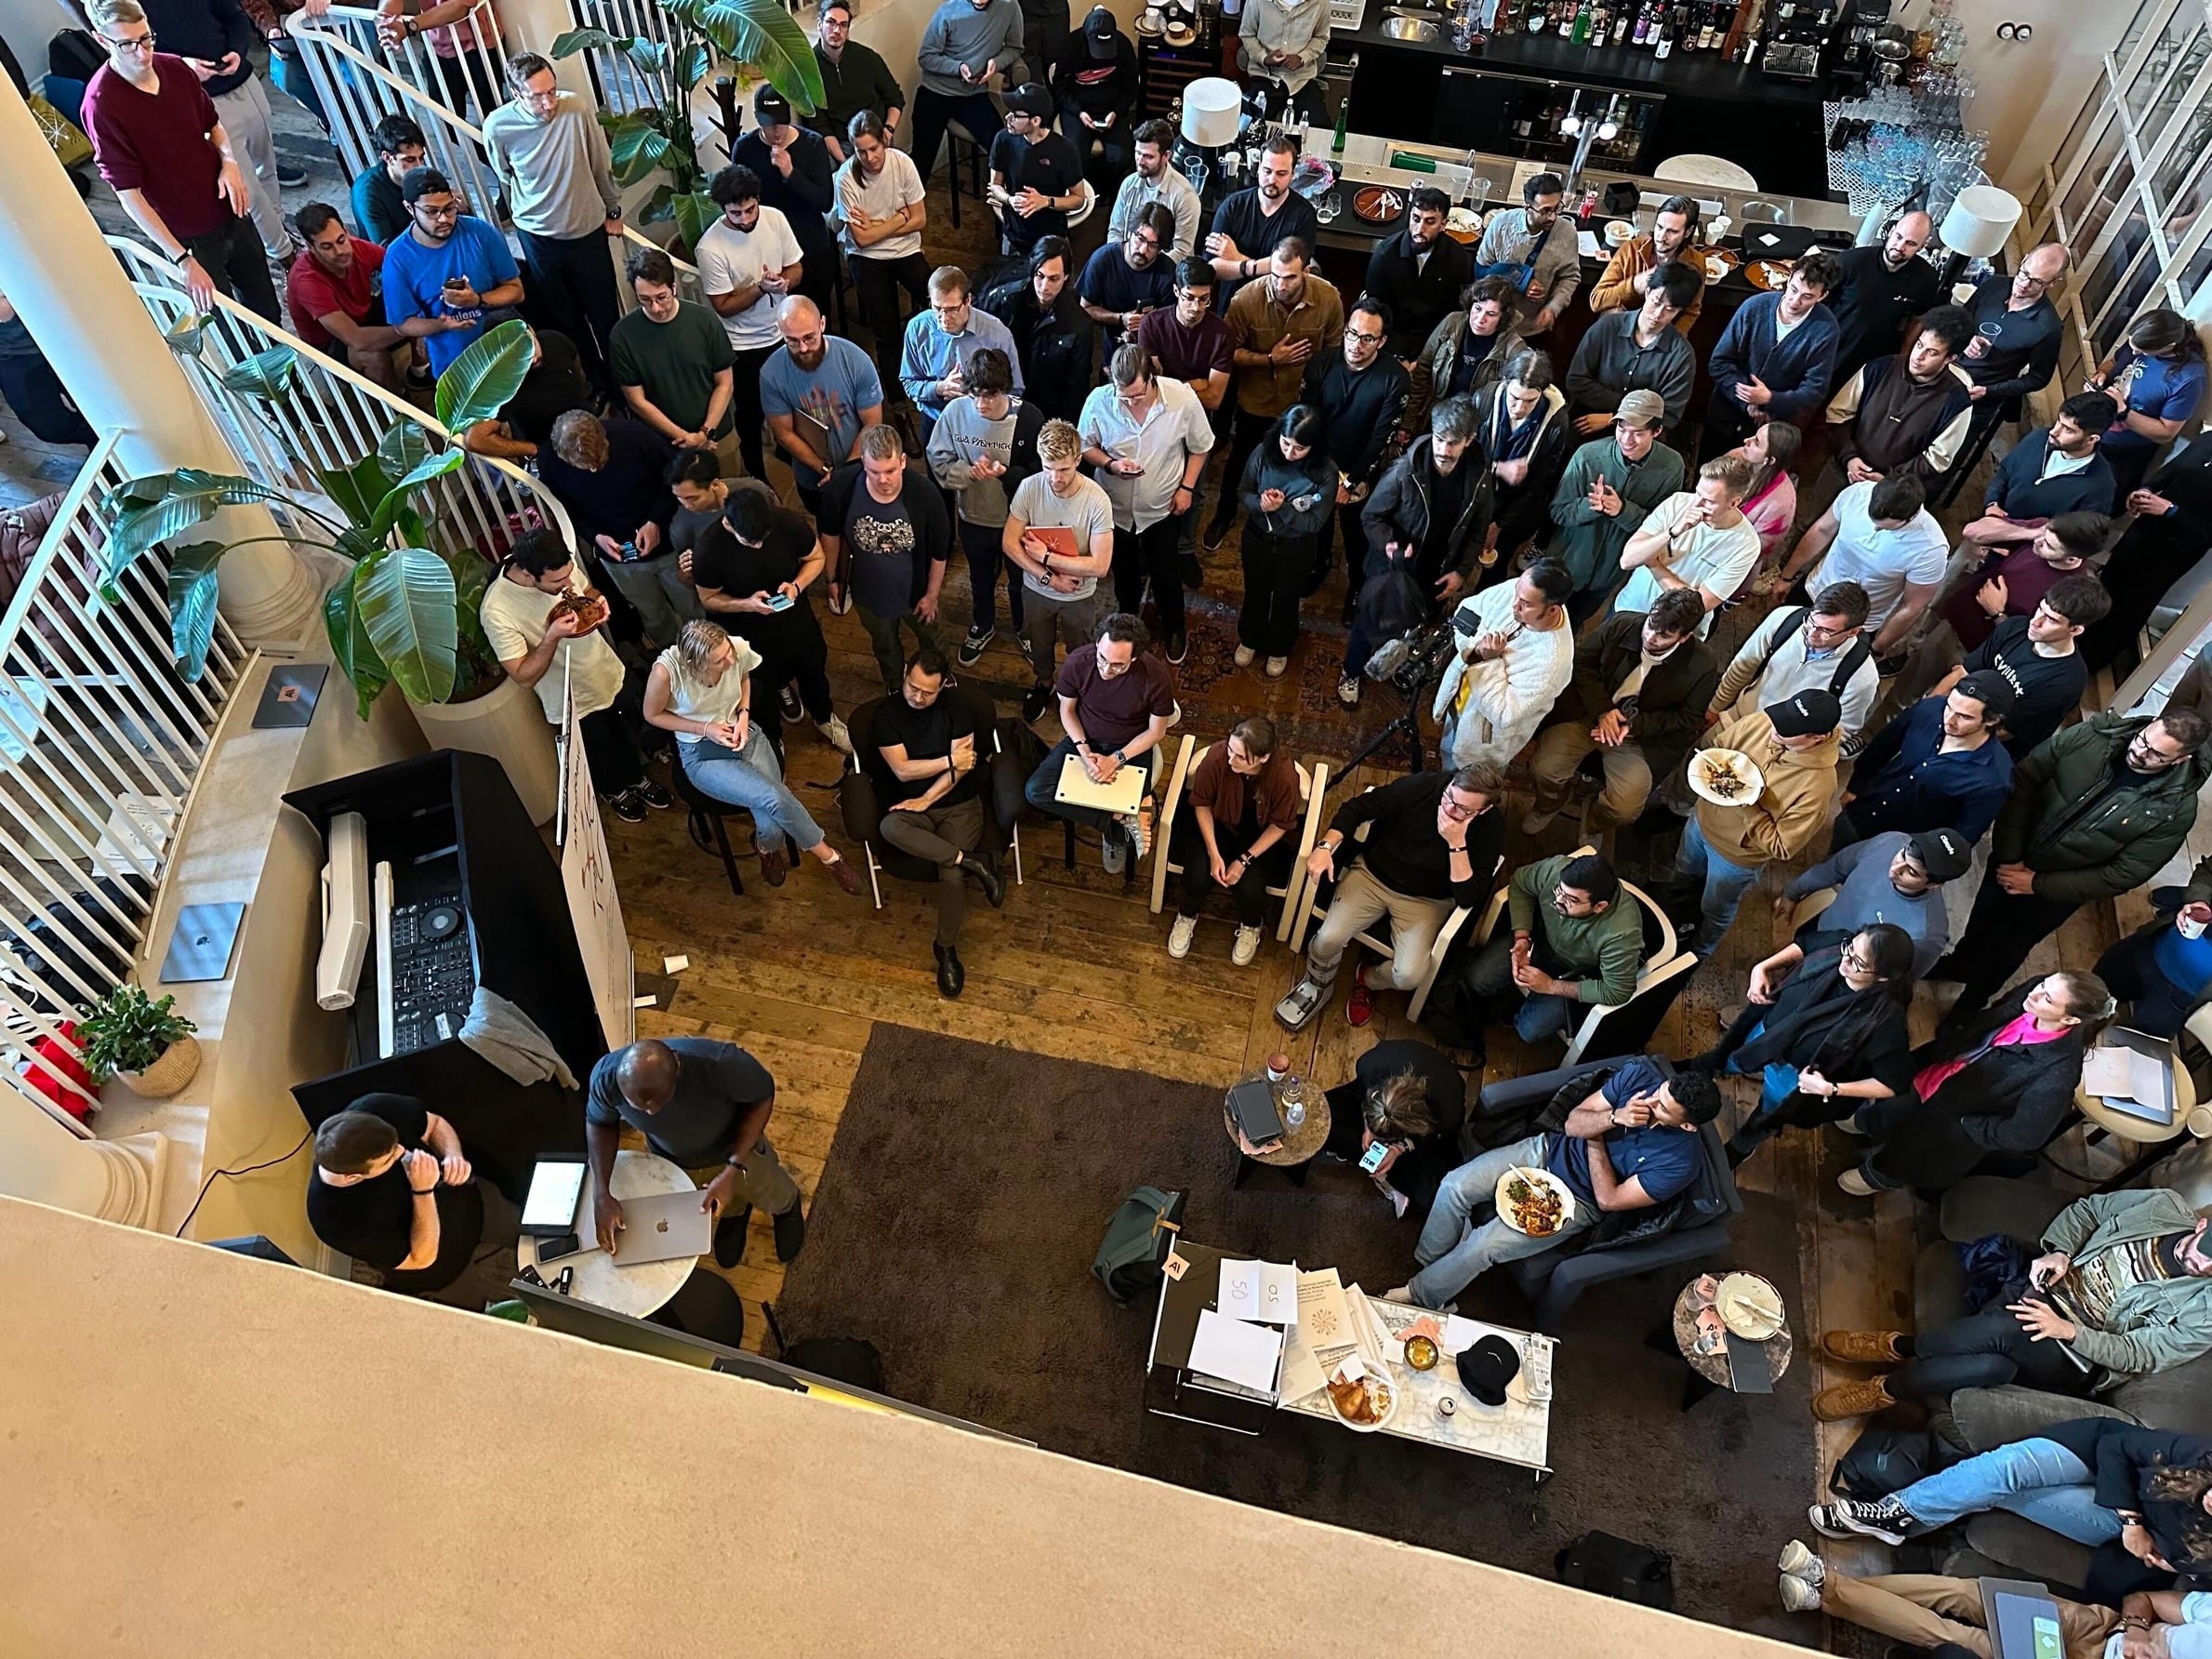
(1516, 656)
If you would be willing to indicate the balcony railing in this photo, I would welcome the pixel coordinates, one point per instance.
(101, 746)
(461, 66)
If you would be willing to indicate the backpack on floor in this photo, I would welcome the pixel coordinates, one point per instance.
(1609, 1566)
(1137, 1240)
(1882, 1461)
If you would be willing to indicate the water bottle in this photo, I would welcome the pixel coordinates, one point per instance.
(1289, 1091)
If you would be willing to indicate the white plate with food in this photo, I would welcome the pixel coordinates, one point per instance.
(1363, 1403)
(1533, 1201)
(1750, 1306)
(1725, 776)
(1617, 231)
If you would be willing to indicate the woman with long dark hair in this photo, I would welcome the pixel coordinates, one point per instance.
(2158, 378)
(1825, 1029)
(1771, 502)
(1289, 491)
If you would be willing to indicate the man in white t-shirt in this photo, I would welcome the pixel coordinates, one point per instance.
(545, 652)
(1060, 572)
(880, 215)
(748, 261)
(1695, 540)
(1881, 536)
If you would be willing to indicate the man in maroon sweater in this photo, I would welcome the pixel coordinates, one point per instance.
(160, 144)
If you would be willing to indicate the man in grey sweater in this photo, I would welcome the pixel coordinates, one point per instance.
(1892, 877)
(1533, 248)
(968, 49)
(551, 157)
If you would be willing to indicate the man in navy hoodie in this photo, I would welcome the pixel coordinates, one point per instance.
(1776, 358)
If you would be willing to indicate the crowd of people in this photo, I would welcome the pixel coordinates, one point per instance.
(1549, 537)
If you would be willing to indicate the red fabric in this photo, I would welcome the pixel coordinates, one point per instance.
(2022, 1030)
(52, 1057)
(311, 293)
(158, 143)
(2027, 579)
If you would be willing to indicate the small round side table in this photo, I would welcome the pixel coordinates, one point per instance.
(1294, 1155)
(1710, 1372)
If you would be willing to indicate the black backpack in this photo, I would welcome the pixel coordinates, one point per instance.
(1137, 1240)
(1882, 1461)
(1791, 624)
(1609, 1566)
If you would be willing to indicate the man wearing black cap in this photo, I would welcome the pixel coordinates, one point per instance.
(1937, 765)
(1095, 77)
(794, 168)
(392, 1187)
(1037, 178)
(1794, 745)
(1890, 877)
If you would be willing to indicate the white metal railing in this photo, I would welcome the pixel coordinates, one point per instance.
(101, 744)
(331, 417)
(624, 84)
(688, 283)
(460, 66)
(358, 91)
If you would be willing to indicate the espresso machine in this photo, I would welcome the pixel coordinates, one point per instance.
(1858, 56)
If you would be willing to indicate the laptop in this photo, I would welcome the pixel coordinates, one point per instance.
(1123, 792)
(2022, 1620)
(662, 1228)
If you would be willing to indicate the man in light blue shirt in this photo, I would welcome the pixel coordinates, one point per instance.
(1892, 877)
(940, 341)
(819, 392)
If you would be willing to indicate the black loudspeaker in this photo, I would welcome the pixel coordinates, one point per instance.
(1609, 1566)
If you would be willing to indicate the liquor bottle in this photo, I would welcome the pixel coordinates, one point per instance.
(1580, 36)
(1343, 123)
(1566, 17)
(1537, 17)
(1622, 21)
(1666, 36)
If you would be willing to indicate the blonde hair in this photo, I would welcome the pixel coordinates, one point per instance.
(105, 12)
(1058, 442)
(1732, 471)
(699, 643)
(580, 440)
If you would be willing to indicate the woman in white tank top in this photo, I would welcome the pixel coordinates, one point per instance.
(701, 689)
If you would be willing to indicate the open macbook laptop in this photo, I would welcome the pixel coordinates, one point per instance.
(662, 1228)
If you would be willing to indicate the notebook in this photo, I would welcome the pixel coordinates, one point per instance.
(1123, 792)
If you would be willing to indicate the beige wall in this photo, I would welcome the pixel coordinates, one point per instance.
(212, 1456)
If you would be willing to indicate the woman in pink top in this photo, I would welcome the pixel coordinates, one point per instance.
(1999, 1082)
(1772, 505)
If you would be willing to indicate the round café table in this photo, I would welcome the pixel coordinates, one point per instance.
(1710, 1372)
(1294, 1153)
(638, 1291)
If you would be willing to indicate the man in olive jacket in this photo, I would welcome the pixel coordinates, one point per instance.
(2096, 809)
(1611, 486)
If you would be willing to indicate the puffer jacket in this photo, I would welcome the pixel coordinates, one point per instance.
(1055, 345)
(1781, 822)
(1432, 369)
(1398, 511)
(2083, 848)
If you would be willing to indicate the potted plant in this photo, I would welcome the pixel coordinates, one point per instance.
(757, 34)
(147, 1044)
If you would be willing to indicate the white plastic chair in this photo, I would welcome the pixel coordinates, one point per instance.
(1312, 784)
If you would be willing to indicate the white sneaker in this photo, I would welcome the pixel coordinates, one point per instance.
(1403, 1295)
(1246, 948)
(1244, 656)
(1347, 691)
(834, 733)
(1798, 1595)
(1181, 935)
(1276, 666)
(1797, 1562)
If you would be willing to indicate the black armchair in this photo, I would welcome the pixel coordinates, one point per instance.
(1695, 1225)
(866, 784)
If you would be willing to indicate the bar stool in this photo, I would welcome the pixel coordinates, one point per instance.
(709, 822)
(956, 135)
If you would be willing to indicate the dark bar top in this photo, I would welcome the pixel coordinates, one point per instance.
(1549, 56)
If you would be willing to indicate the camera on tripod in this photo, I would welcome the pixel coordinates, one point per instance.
(1413, 660)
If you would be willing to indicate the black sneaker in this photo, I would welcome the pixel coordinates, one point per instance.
(986, 878)
(1035, 702)
(790, 1233)
(729, 1237)
(789, 699)
(656, 795)
(973, 647)
(952, 978)
(1178, 647)
(1882, 1517)
(1212, 536)
(1193, 573)
(630, 806)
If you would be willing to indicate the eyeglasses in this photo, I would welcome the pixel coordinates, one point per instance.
(142, 43)
(1365, 340)
(1146, 240)
(1856, 963)
(1815, 629)
(1457, 812)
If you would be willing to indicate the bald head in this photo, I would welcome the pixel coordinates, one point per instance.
(798, 320)
(2040, 272)
(646, 1074)
(1906, 238)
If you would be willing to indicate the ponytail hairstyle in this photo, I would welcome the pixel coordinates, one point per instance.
(2090, 1000)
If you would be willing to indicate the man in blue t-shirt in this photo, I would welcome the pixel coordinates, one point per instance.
(450, 277)
(1633, 1143)
(818, 391)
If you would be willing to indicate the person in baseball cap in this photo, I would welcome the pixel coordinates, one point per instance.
(1030, 99)
(1939, 765)
(771, 108)
(1098, 29)
(1943, 855)
(1803, 719)
(1642, 408)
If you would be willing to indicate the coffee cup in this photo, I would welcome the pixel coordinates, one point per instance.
(1962, 292)
(2190, 923)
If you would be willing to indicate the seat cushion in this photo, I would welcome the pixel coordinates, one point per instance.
(2028, 1550)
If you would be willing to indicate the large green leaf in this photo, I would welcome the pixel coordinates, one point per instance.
(657, 205)
(404, 443)
(354, 543)
(266, 375)
(584, 40)
(763, 33)
(420, 474)
(405, 598)
(190, 496)
(693, 214)
(350, 644)
(638, 150)
(693, 63)
(193, 589)
(477, 384)
(188, 335)
(359, 488)
(649, 55)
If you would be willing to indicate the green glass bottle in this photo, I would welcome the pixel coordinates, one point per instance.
(1343, 120)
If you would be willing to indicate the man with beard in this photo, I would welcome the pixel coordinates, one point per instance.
(1907, 411)
(334, 298)
(1123, 281)
(1251, 224)
(1361, 392)
(1156, 179)
(1052, 336)
(1885, 285)
(1628, 274)
(819, 394)
(1419, 272)
(1277, 326)
(1037, 178)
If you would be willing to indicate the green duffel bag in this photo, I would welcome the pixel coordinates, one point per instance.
(1137, 1240)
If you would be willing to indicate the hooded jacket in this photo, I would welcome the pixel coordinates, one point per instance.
(1893, 423)
(1788, 812)
(1525, 507)
(1587, 541)
(1432, 369)
(2082, 842)
(1398, 511)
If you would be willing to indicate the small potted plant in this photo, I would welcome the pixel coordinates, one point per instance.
(127, 1034)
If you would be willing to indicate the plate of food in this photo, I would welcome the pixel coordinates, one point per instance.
(1462, 224)
(1533, 1201)
(1617, 231)
(590, 608)
(1379, 204)
(1725, 776)
(1750, 1306)
(1718, 263)
(1768, 275)
(1365, 1401)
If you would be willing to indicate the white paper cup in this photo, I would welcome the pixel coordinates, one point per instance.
(1962, 292)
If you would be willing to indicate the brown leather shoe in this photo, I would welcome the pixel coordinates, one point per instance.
(1862, 1348)
(1851, 1399)
(773, 865)
(841, 871)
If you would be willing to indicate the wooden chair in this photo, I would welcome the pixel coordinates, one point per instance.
(1811, 905)
(1160, 840)
(1312, 784)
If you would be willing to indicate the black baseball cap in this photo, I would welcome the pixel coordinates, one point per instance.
(1099, 26)
(1031, 100)
(1806, 714)
(771, 108)
(1944, 854)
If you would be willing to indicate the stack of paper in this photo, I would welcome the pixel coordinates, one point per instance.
(1264, 1291)
(2130, 1080)
(1237, 1351)
(1322, 1335)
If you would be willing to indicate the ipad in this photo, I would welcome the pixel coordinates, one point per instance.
(555, 1185)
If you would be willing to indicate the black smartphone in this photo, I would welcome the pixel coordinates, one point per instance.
(552, 1250)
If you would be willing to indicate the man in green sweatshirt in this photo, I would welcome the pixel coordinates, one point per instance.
(1576, 943)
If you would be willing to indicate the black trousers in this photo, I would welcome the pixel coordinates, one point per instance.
(1984, 1350)
(808, 667)
(2002, 929)
(2140, 570)
(33, 391)
(570, 283)
(986, 547)
(234, 260)
(1275, 580)
(1150, 553)
(1345, 523)
(1728, 423)
(745, 402)
(1187, 847)
(611, 750)
(1245, 435)
(934, 111)
(878, 283)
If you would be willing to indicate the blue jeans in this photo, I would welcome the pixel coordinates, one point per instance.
(1453, 1252)
(1724, 885)
(749, 777)
(2036, 1479)
(1045, 780)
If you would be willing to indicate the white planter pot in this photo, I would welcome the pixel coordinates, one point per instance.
(510, 725)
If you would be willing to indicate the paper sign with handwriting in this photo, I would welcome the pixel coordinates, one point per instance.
(1261, 1291)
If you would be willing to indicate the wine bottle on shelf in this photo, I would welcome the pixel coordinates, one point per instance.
(1654, 14)
(1666, 36)
(1622, 19)
(1537, 17)
(1709, 35)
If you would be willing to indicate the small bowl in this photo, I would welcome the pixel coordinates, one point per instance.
(1417, 30)
(1422, 1353)
(1617, 231)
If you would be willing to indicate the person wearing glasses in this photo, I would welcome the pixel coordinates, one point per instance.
(1037, 178)
(1361, 392)
(934, 366)
(856, 81)
(1123, 283)
(1117, 702)
(1799, 648)
(1575, 943)
(2017, 329)
(1533, 248)
(450, 276)
(161, 145)
(1146, 437)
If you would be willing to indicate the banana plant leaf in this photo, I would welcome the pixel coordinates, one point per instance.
(349, 642)
(638, 149)
(188, 335)
(695, 213)
(193, 590)
(404, 443)
(763, 33)
(420, 474)
(693, 63)
(588, 40)
(649, 55)
(477, 384)
(191, 497)
(405, 598)
(358, 489)
(266, 375)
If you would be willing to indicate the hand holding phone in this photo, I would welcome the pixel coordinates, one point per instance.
(1371, 1159)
